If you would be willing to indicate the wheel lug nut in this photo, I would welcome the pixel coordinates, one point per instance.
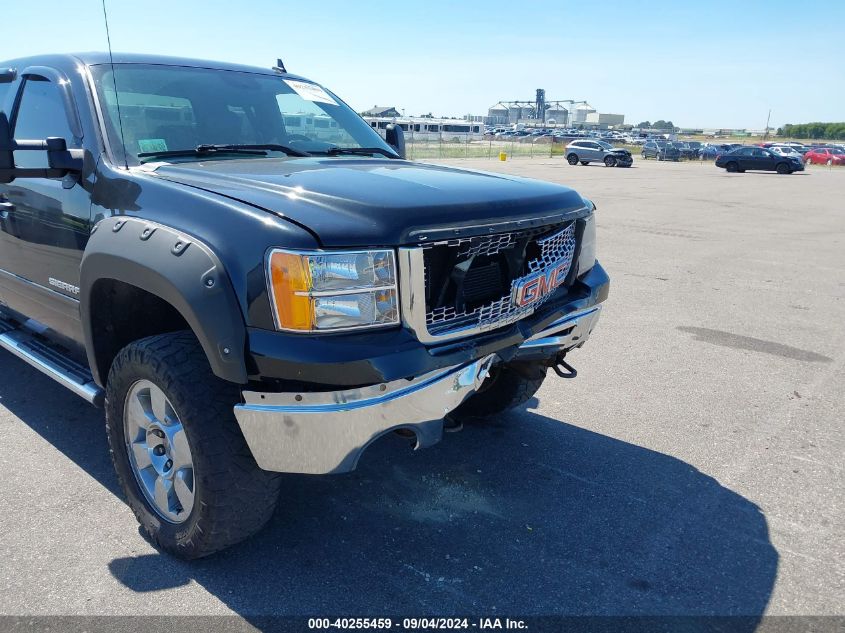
(159, 450)
(158, 433)
(168, 465)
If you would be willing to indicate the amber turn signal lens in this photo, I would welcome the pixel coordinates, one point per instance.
(291, 281)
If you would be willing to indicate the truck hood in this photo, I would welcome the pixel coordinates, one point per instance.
(380, 202)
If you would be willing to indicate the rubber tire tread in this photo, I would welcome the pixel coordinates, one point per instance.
(234, 498)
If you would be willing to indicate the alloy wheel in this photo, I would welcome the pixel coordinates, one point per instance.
(159, 452)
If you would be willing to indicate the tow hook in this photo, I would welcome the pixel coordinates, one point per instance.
(560, 365)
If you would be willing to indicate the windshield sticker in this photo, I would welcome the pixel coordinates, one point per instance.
(312, 92)
(152, 145)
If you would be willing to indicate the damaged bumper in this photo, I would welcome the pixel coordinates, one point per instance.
(567, 333)
(326, 432)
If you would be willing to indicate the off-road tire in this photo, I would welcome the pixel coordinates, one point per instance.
(233, 497)
(508, 386)
(572, 159)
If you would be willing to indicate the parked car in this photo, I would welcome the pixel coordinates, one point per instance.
(210, 278)
(661, 150)
(825, 156)
(695, 146)
(758, 158)
(586, 152)
(712, 150)
(786, 151)
(687, 151)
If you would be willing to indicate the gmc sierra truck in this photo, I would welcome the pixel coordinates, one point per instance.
(251, 280)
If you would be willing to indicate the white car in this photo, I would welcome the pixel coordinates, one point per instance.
(788, 151)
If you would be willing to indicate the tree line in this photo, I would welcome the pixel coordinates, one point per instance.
(813, 130)
(657, 125)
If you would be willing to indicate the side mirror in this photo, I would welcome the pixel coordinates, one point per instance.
(61, 161)
(395, 137)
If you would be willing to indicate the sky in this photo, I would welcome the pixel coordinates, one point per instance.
(698, 63)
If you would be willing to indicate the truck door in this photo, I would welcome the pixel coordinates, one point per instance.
(44, 223)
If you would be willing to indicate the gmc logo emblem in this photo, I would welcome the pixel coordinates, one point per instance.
(537, 285)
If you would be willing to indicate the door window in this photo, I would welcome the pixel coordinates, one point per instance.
(41, 114)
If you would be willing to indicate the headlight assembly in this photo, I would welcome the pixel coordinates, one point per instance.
(330, 291)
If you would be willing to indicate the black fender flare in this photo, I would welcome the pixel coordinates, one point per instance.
(176, 267)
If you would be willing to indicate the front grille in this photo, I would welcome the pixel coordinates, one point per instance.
(469, 282)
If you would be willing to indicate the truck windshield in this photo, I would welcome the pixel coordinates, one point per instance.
(160, 108)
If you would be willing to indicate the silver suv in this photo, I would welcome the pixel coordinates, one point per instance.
(589, 151)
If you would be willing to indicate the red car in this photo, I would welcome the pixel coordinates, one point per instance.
(825, 156)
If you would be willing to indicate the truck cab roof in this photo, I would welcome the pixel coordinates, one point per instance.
(93, 58)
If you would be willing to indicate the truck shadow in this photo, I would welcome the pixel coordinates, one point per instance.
(526, 515)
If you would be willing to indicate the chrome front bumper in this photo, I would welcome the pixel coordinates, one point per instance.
(569, 332)
(326, 432)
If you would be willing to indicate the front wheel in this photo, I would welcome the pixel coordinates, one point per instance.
(783, 168)
(509, 385)
(572, 159)
(609, 161)
(180, 457)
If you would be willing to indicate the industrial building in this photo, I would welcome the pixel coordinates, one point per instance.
(382, 111)
(603, 121)
(542, 111)
(579, 115)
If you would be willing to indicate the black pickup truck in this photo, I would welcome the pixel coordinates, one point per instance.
(250, 280)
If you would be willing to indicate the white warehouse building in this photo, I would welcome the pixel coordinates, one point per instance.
(604, 120)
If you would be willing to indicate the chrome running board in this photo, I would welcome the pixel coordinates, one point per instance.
(28, 347)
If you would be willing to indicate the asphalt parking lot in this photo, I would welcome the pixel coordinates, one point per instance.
(694, 466)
